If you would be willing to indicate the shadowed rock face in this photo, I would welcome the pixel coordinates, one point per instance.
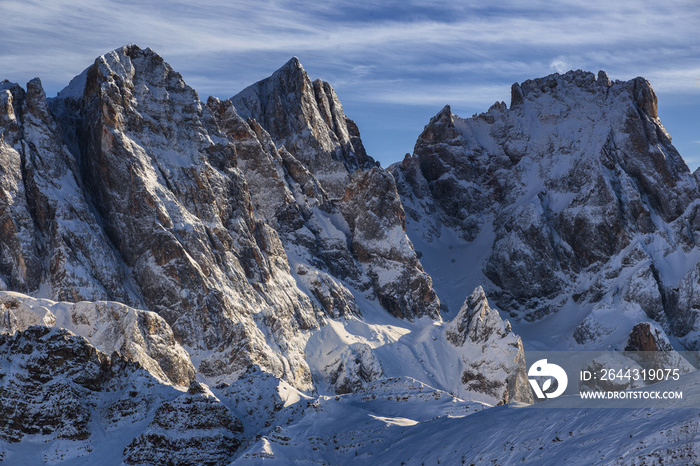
(50, 236)
(570, 185)
(192, 429)
(19, 261)
(60, 386)
(32, 405)
(372, 208)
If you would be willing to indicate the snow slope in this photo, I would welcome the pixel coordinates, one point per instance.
(397, 429)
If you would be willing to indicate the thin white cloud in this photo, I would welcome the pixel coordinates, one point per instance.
(676, 80)
(417, 53)
(456, 95)
(255, 26)
(560, 65)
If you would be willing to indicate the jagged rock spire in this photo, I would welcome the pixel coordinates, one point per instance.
(493, 357)
(307, 118)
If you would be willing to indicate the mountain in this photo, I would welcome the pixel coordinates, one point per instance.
(225, 250)
(367, 245)
(163, 183)
(237, 280)
(572, 205)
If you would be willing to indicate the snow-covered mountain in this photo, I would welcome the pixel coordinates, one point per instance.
(204, 283)
(572, 206)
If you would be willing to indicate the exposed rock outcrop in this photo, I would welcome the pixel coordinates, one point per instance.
(50, 389)
(56, 386)
(307, 118)
(493, 357)
(356, 366)
(109, 326)
(192, 429)
(50, 235)
(645, 337)
(322, 192)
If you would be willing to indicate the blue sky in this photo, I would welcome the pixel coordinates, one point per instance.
(393, 65)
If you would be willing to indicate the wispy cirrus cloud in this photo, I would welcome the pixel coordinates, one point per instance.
(411, 57)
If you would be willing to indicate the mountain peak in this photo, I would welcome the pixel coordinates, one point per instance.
(444, 115)
(604, 79)
(570, 84)
(133, 52)
(644, 96)
(292, 74)
(287, 104)
(130, 49)
(476, 320)
(6, 84)
(292, 64)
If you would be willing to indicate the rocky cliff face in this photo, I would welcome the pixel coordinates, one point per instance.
(194, 428)
(307, 118)
(340, 209)
(493, 357)
(111, 327)
(572, 197)
(51, 239)
(59, 389)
